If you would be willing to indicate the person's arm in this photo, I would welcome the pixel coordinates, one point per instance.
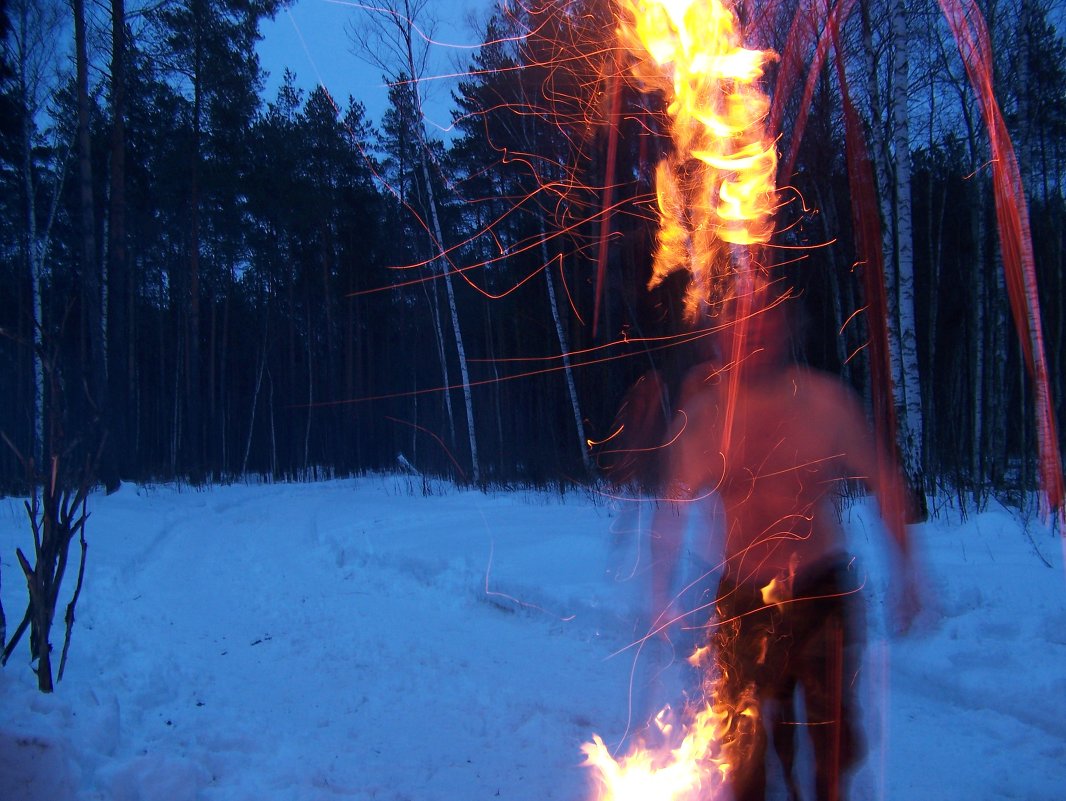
(686, 473)
(667, 534)
(878, 470)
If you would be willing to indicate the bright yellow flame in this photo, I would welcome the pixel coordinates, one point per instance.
(694, 771)
(716, 189)
(637, 778)
(716, 734)
(699, 656)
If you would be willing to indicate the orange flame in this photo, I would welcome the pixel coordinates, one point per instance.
(683, 774)
(716, 188)
(714, 742)
(718, 729)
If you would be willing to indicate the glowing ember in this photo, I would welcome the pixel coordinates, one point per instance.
(716, 188)
(780, 590)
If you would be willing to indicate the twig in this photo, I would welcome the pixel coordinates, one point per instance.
(10, 444)
(1029, 535)
(16, 636)
(33, 588)
(1024, 520)
(69, 617)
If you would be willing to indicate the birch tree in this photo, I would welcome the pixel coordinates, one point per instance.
(118, 344)
(904, 350)
(396, 38)
(890, 135)
(34, 48)
(402, 176)
(499, 113)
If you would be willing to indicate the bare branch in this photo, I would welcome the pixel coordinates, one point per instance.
(396, 36)
(69, 617)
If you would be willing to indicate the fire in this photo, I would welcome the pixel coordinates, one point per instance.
(716, 737)
(716, 189)
(716, 730)
(779, 590)
(682, 774)
(717, 734)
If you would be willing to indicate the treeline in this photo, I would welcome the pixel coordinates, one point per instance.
(214, 286)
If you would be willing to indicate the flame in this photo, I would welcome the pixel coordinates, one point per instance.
(716, 735)
(716, 731)
(716, 189)
(681, 774)
(718, 728)
(779, 590)
(716, 738)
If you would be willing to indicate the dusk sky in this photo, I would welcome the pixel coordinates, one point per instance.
(322, 25)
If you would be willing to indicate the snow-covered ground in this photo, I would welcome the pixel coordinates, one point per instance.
(365, 639)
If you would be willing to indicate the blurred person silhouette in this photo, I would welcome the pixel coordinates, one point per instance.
(774, 441)
(629, 460)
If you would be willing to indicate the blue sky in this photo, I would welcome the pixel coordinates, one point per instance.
(311, 39)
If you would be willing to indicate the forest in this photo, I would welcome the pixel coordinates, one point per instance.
(201, 284)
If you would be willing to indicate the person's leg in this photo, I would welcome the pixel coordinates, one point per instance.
(741, 641)
(784, 728)
(749, 783)
(828, 658)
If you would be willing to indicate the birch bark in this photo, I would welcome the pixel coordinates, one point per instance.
(908, 392)
(32, 48)
(564, 349)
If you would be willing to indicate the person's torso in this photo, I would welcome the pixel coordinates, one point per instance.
(782, 466)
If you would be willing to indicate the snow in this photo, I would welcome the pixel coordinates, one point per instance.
(386, 638)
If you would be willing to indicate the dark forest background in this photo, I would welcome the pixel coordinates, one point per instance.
(215, 286)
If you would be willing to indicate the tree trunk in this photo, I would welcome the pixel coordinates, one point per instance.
(194, 423)
(117, 457)
(175, 435)
(433, 299)
(92, 313)
(35, 262)
(460, 349)
(978, 304)
(310, 395)
(929, 402)
(564, 349)
(273, 428)
(881, 158)
(403, 20)
(998, 406)
(909, 391)
(842, 326)
(37, 238)
(464, 373)
(255, 402)
(223, 370)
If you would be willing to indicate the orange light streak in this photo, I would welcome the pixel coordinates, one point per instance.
(516, 601)
(439, 441)
(649, 449)
(665, 342)
(657, 343)
(517, 248)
